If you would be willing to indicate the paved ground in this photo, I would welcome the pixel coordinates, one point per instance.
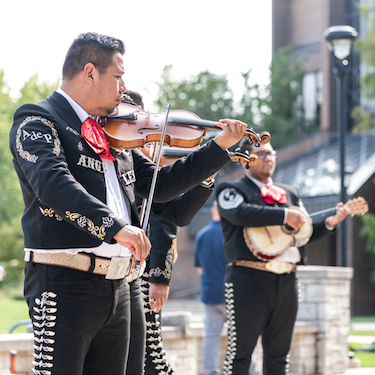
(360, 371)
(196, 308)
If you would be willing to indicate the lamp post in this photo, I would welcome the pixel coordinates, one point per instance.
(340, 40)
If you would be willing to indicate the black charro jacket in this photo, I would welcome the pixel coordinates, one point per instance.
(163, 234)
(253, 212)
(63, 184)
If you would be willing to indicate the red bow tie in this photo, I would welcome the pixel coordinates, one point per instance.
(94, 135)
(272, 194)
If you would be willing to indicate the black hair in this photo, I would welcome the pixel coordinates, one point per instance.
(246, 145)
(94, 48)
(133, 97)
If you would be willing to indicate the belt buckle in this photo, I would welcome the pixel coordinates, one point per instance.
(118, 268)
(135, 273)
(279, 267)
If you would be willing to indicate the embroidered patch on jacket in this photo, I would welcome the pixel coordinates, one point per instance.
(128, 177)
(229, 198)
(30, 135)
(91, 163)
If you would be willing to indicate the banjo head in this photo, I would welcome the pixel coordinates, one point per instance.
(270, 242)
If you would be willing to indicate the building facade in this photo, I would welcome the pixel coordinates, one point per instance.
(301, 25)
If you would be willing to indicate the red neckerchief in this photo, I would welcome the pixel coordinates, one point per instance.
(94, 135)
(272, 194)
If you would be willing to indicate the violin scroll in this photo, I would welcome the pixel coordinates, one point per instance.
(258, 140)
(244, 158)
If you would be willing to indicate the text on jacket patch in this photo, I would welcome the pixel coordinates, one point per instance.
(36, 135)
(88, 162)
(129, 177)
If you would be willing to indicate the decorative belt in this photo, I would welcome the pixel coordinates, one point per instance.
(113, 269)
(275, 266)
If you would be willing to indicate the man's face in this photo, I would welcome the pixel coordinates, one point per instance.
(109, 87)
(266, 163)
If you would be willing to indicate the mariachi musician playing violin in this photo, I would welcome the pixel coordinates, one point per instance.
(260, 288)
(81, 225)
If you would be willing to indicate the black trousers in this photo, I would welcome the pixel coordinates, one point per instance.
(259, 303)
(137, 330)
(81, 321)
(146, 354)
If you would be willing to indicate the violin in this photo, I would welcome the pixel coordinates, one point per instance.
(131, 127)
(171, 154)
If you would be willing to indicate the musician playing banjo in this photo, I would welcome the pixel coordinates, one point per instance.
(261, 288)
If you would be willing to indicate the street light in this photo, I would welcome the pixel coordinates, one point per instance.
(340, 40)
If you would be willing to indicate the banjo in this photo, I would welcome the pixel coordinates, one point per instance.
(270, 242)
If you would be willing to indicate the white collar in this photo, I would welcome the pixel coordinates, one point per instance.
(81, 113)
(260, 184)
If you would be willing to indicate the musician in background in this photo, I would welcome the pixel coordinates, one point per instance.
(261, 294)
(150, 292)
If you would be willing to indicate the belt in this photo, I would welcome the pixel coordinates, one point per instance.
(275, 266)
(114, 268)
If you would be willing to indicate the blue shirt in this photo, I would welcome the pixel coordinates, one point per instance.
(209, 255)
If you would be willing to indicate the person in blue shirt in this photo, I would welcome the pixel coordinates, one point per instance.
(211, 262)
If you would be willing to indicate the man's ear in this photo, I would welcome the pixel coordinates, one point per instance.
(89, 71)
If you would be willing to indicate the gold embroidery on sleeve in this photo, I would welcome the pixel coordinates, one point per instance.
(167, 272)
(95, 230)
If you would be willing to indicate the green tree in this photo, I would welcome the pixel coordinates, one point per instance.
(34, 90)
(368, 231)
(366, 47)
(364, 116)
(10, 193)
(280, 109)
(249, 108)
(6, 103)
(11, 203)
(207, 95)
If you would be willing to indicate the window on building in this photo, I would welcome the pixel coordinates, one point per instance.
(312, 97)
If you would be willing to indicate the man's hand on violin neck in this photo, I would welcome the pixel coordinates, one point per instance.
(135, 240)
(232, 132)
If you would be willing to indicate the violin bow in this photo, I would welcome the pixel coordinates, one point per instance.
(146, 215)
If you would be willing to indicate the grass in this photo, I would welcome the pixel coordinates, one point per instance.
(13, 308)
(362, 319)
(362, 333)
(367, 358)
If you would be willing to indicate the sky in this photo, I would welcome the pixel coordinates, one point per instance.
(223, 37)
